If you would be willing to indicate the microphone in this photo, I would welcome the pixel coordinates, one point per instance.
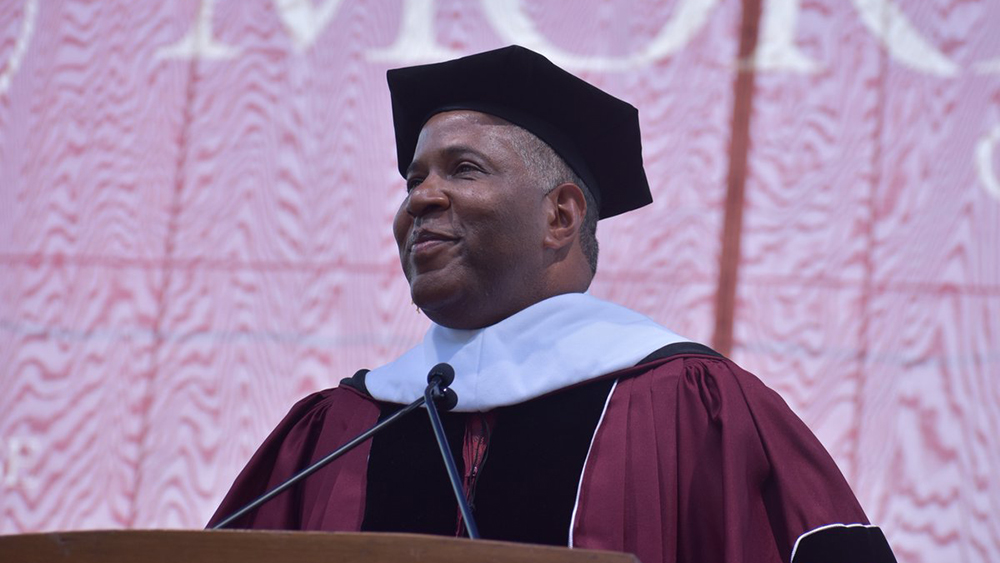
(437, 394)
(438, 379)
(443, 375)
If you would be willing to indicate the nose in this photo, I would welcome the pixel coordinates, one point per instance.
(427, 197)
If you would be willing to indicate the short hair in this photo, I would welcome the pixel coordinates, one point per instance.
(549, 171)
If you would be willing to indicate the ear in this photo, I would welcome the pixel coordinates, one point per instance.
(565, 210)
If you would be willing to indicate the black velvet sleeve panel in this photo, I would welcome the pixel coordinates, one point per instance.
(678, 348)
(838, 543)
(527, 488)
(357, 382)
(408, 488)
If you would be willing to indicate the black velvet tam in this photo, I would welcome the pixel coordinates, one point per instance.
(594, 132)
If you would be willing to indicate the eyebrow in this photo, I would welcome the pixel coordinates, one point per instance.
(452, 152)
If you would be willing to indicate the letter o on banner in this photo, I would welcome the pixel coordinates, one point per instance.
(510, 20)
(985, 149)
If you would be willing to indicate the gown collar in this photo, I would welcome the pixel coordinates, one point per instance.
(555, 343)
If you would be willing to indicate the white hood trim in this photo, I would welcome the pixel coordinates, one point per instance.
(552, 344)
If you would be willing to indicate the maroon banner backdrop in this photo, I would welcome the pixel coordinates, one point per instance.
(195, 208)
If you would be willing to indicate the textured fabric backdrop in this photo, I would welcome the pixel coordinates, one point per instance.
(195, 200)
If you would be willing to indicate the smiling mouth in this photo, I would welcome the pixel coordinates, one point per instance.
(428, 245)
(426, 242)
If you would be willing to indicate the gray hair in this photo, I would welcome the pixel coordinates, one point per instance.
(549, 171)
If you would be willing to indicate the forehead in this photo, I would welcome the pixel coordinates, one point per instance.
(472, 129)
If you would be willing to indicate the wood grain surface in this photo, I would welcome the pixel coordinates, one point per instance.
(222, 546)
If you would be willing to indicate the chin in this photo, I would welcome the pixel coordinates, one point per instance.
(447, 308)
(431, 296)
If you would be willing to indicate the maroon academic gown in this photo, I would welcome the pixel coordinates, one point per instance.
(694, 459)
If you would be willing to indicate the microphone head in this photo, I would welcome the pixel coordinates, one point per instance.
(447, 400)
(444, 373)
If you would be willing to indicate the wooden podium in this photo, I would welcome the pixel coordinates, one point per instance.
(236, 546)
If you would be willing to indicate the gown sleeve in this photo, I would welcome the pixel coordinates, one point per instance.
(697, 460)
(331, 499)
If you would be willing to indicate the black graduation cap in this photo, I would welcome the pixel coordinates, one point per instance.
(594, 132)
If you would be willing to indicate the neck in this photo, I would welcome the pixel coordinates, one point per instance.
(469, 312)
(484, 312)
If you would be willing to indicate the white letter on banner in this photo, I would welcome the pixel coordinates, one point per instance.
(984, 162)
(776, 48)
(198, 42)
(20, 46)
(988, 67)
(888, 23)
(19, 451)
(509, 19)
(415, 42)
(303, 21)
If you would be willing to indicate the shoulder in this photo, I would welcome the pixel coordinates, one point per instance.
(351, 389)
(720, 428)
(315, 426)
(328, 410)
(701, 373)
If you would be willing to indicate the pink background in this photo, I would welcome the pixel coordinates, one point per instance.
(191, 241)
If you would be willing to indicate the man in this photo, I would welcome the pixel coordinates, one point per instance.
(578, 422)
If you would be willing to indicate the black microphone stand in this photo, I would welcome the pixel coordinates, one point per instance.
(437, 390)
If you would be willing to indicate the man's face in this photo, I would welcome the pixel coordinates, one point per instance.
(470, 230)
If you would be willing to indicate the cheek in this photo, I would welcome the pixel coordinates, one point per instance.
(401, 225)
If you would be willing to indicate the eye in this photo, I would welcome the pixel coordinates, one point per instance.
(413, 183)
(466, 168)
